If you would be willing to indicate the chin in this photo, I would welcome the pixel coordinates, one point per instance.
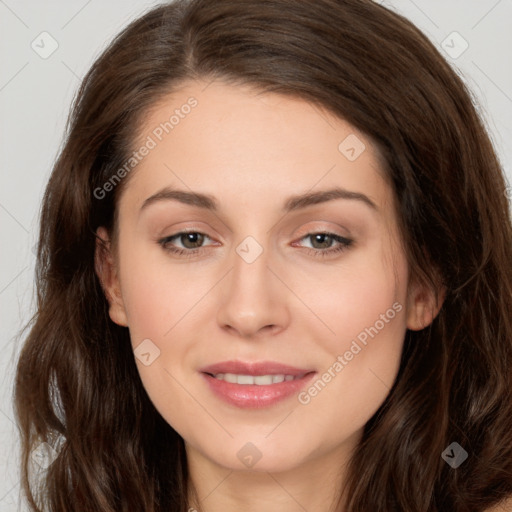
(257, 456)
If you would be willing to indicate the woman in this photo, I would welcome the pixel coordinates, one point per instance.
(273, 274)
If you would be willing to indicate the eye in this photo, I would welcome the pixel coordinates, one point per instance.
(322, 243)
(191, 241)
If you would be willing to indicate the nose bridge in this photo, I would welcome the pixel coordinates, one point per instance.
(252, 297)
(250, 267)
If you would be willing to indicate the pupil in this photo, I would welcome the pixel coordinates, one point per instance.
(192, 238)
(320, 237)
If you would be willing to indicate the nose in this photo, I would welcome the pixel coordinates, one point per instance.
(253, 298)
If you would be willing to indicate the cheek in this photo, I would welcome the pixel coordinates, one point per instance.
(363, 361)
(364, 308)
(162, 306)
(361, 297)
(165, 305)
(157, 294)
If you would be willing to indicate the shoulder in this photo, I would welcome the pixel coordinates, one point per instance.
(504, 506)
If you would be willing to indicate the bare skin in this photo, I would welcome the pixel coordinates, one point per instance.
(291, 305)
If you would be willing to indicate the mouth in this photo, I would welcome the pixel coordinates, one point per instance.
(255, 385)
(258, 380)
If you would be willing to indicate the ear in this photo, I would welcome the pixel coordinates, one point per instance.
(106, 270)
(423, 305)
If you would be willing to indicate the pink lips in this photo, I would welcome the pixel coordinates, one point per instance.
(252, 395)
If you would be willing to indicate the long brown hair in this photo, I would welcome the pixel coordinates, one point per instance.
(77, 380)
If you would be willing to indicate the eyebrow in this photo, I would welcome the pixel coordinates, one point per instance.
(293, 203)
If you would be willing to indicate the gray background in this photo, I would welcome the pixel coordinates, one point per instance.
(36, 92)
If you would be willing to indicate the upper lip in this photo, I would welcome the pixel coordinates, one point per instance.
(254, 368)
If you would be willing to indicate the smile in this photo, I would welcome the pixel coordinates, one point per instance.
(258, 380)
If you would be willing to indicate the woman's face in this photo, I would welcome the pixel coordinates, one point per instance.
(255, 285)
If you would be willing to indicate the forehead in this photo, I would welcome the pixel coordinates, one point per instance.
(241, 144)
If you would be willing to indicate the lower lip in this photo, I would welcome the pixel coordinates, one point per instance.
(252, 396)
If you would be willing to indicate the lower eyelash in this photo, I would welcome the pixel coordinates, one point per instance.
(183, 252)
(344, 243)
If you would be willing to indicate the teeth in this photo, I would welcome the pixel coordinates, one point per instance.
(259, 380)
